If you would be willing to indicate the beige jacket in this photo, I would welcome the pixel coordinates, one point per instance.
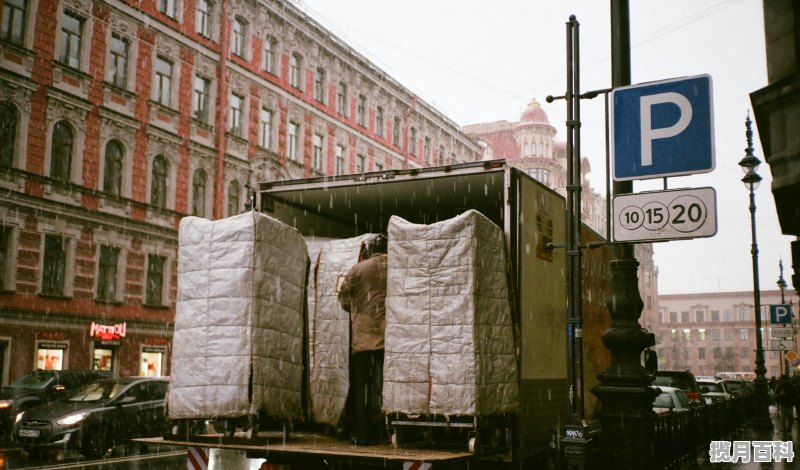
(363, 294)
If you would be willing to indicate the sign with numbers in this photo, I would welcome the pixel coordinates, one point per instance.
(665, 215)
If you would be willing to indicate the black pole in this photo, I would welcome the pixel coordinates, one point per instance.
(627, 415)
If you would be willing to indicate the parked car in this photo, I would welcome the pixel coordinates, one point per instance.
(714, 390)
(671, 400)
(740, 387)
(682, 379)
(98, 416)
(38, 387)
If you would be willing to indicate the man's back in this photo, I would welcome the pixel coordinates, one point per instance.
(363, 294)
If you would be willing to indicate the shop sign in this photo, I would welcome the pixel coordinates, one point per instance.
(111, 333)
(52, 345)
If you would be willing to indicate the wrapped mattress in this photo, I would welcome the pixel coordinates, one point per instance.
(449, 336)
(329, 331)
(239, 319)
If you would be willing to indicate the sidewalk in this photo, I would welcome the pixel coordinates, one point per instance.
(749, 434)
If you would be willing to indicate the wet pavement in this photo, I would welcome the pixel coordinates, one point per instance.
(749, 434)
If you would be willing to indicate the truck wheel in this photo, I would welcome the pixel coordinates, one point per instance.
(473, 444)
(95, 443)
(395, 440)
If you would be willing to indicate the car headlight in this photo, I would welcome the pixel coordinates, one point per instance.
(69, 420)
(5, 404)
(19, 417)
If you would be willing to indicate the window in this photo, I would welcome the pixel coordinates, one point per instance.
(112, 174)
(200, 98)
(236, 115)
(233, 198)
(379, 121)
(319, 85)
(238, 34)
(269, 55)
(167, 7)
(293, 143)
(717, 353)
(340, 159)
(6, 257)
(317, 152)
(202, 18)
(396, 132)
(361, 111)
(61, 152)
(162, 88)
(715, 335)
(745, 352)
(69, 52)
(199, 193)
(701, 353)
(441, 155)
(701, 333)
(743, 314)
(12, 28)
(728, 335)
(158, 188)
(360, 163)
(341, 99)
(412, 142)
(715, 316)
(543, 176)
(295, 70)
(743, 334)
(55, 264)
(8, 132)
(729, 352)
(426, 150)
(265, 132)
(155, 280)
(687, 335)
(727, 315)
(117, 73)
(684, 317)
(700, 315)
(107, 274)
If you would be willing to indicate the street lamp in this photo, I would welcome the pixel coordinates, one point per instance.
(751, 181)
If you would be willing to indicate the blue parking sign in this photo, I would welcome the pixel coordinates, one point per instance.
(780, 313)
(663, 128)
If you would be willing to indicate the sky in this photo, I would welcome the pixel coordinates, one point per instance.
(479, 61)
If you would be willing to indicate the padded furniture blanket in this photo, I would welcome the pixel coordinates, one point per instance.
(449, 336)
(239, 319)
(329, 331)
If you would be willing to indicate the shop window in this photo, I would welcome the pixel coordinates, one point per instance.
(49, 359)
(151, 362)
(233, 198)
(103, 359)
(12, 29)
(155, 280)
(112, 178)
(61, 152)
(8, 133)
(55, 265)
(158, 184)
(107, 274)
(199, 193)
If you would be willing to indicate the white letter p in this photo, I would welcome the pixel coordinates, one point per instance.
(648, 133)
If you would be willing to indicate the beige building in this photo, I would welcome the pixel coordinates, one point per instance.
(715, 332)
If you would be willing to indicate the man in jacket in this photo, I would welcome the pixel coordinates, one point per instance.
(363, 295)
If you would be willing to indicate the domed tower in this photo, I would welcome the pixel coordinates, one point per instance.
(534, 136)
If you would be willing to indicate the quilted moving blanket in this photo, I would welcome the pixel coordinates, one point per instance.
(449, 336)
(239, 319)
(329, 331)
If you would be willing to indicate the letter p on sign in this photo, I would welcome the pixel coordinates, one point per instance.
(780, 313)
(662, 129)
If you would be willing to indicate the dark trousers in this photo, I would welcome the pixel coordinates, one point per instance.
(366, 386)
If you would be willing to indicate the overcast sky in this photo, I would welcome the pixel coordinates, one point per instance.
(479, 61)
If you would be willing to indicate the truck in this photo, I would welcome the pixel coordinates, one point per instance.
(533, 220)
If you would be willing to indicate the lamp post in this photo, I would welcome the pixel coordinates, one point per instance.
(751, 181)
(782, 286)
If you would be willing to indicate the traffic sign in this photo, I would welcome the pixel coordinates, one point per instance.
(783, 344)
(781, 332)
(780, 313)
(660, 215)
(663, 128)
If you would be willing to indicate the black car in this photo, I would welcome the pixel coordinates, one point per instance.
(96, 417)
(682, 379)
(38, 387)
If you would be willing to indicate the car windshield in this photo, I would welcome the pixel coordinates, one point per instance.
(712, 387)
(96, 391)
(34, 381)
